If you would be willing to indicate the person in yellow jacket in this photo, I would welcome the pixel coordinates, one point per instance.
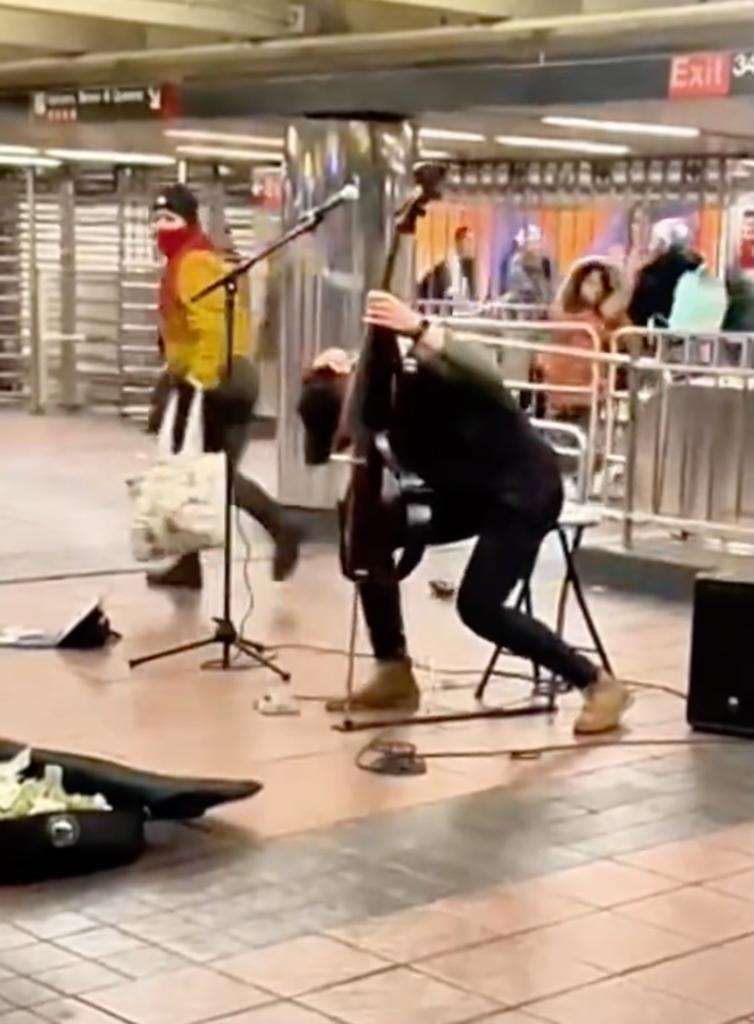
(193, 342)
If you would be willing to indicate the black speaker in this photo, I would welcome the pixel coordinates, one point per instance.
(721, 681)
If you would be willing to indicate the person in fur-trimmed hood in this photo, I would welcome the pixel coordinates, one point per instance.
(595, 293)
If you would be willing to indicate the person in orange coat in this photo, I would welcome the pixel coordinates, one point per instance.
(595, 294)
(193, 339)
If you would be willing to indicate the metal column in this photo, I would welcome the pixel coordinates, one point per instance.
(324, 276)
(68, 390)
(37, 355)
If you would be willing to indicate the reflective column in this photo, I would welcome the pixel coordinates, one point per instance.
(323, 277)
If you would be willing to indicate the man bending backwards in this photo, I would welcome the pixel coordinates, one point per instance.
(492, 477)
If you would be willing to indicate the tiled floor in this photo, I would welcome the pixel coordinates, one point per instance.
(593, 886)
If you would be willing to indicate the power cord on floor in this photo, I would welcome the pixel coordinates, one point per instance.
(402, 758)
(432, 669)
(392, 757)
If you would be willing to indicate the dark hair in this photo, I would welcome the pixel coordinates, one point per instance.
(461, 232)
(571, 299)
(319, 407)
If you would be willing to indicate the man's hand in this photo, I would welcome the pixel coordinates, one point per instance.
(385, 310)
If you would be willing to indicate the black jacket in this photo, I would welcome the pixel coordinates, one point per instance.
(656, 284)
(458, 428)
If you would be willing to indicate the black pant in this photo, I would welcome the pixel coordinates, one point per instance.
(228, 416)
(505, 553)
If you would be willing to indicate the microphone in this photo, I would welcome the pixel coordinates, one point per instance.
(348, 194)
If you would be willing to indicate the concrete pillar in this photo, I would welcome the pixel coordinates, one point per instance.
(324, 276)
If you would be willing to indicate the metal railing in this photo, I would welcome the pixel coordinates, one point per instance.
(493, 309)
(710, 451)
(690, 421)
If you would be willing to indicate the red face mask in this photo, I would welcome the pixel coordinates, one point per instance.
(172, 240)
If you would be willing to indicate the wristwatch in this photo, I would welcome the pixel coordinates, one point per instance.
(417, 335)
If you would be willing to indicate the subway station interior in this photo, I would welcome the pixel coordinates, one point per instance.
(376, 512)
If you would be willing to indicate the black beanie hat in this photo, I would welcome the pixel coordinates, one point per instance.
(178, 199)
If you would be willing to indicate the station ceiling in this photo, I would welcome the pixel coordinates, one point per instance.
(39, 28)
(38, 33)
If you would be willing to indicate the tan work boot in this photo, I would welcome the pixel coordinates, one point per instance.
(185, 574)
(604, 703)
(393, 685)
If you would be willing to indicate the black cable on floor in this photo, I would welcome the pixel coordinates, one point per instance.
(409, 760)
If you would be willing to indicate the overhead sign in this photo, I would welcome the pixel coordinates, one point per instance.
(700, 76)
(102, 103)
(711, 75)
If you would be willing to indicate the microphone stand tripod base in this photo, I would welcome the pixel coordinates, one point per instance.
(229, 639)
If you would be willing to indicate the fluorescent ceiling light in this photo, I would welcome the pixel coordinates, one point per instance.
(107, 156)
(20, 150)
(435, 154)
(671, 131)
(229, 137)
(564, 145)
(25, 160)
(221, 153)
(450, 135)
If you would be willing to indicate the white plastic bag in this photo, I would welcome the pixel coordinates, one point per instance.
(178, 504)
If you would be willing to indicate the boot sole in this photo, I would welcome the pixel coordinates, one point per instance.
(628, 700)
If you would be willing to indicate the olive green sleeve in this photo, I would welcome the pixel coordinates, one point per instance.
(466, 361)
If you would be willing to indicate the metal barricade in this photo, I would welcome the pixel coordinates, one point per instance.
(688, 415)
(704, 455)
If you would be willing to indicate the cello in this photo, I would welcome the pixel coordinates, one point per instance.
(385, 509)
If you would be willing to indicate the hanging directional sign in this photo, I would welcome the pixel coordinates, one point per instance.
(104, 103)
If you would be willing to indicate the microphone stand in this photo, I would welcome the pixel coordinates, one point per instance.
(226, 634)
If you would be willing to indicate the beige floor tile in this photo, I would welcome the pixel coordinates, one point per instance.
(693, 860)
(605, 883)
(698, 913)
(511, 971)
(740, 885)
(397, 996)
(618, 1001)
(508, 910)
(79, 978)
(182, 997)
(611, 942)
(739, 837)
(413, 934)
(511, 1017)
(71, 1011)
(304, 964)
(719, 977)
(279, 1013)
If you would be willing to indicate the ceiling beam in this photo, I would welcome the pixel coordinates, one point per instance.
(256, 18)
(62, 34)
(497, 9)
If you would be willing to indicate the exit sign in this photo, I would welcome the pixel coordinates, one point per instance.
(700, 76)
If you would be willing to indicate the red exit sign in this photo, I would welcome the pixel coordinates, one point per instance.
(700, 75)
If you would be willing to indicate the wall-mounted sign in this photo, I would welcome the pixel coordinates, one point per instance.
(103, 103)
(700, 75)
(711, 75)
